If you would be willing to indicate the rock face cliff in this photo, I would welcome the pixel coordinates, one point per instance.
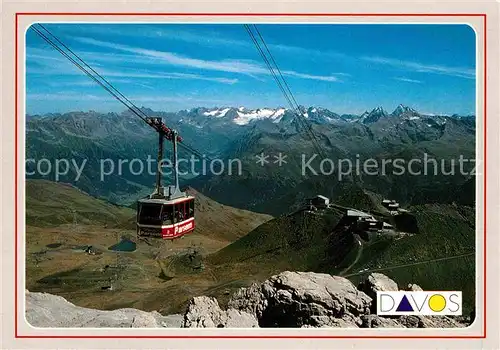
(290, 299)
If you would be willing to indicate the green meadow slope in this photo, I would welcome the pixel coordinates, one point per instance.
(439, 257)
(50, 204)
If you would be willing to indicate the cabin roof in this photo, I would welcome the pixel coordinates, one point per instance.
(165, 200)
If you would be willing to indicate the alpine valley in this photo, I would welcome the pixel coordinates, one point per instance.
(254, 224)
(242, 134)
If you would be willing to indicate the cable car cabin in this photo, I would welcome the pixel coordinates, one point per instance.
(164, 218)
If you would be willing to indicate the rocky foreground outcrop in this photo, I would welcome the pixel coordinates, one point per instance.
(47, 310)
(290, 299)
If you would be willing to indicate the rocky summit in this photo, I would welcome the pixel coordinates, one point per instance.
(289, 299)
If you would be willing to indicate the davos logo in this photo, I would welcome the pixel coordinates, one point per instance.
(419, 303)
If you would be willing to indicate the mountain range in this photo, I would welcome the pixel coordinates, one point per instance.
(249, 225)
(242, 116)
(240, 133)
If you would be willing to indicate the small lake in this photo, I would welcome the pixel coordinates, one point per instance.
(54, 245)
(125, 245)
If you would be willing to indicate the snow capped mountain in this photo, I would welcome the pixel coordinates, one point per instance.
(240, 116)
(228, 118)
(401, 109)
(218, 113)
(247, 116)
(373, 116)
(322, 116)
(364, 115)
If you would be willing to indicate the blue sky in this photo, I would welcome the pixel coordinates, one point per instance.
(343, 67)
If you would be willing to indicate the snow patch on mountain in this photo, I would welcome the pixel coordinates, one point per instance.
(247, 116)
(278, 115)
(373, 116)
(191, 123)
(401, 109)
(218, 113)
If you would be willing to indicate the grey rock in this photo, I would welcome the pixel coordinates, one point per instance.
(46, 310)
(332, 323)
(415, 321)
(240, 319)
(295, 299)
(144, 321)
(169, 321)
(250, 299)
(377, 282)
(374, 321)
(414, 288)
(205, 312)
(289, 299)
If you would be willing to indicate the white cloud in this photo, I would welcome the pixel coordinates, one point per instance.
(233, 66)
(69, 69)
(67, 96)
(313, 77)
(408, 80)
(89, 82)
(215, 39)
(462, 72)
(78, 97)
(212, 38)
(246, 67)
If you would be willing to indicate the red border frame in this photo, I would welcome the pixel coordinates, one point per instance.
(248, 14)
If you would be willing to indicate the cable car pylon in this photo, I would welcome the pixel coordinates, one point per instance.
(173, 136)
(167, 213)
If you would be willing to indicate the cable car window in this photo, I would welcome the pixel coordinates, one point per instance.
(182, 211)
(180, 215)
(191, 208)
(167, 215)
(179, 212)
(150, 213)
